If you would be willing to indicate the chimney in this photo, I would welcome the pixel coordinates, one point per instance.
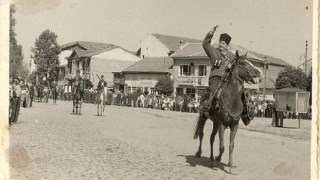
(181, 44)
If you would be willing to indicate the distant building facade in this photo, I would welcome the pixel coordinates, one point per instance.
(146, 73)
(96, 59)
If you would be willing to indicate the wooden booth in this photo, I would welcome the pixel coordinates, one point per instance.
(290, 100)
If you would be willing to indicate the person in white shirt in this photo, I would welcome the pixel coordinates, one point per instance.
(15, 102)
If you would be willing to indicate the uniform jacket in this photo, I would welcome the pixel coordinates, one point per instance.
(100, 83)
(214, 55)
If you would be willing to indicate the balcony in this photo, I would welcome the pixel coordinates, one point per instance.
(193, 80)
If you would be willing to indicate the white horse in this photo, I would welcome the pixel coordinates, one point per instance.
(101, 100)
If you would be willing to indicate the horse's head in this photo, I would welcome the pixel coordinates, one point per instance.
(246, 70)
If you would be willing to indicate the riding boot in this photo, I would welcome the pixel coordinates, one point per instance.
(245, 116)
(205, 108)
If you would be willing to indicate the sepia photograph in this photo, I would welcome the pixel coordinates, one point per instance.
(161, 89)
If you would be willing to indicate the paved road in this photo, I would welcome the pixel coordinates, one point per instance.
(132, 143)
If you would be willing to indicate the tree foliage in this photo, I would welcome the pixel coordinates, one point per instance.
(45, 54)
(164, 86)
(16, 67)
(309, 87)
(291, 77)
(32, 77)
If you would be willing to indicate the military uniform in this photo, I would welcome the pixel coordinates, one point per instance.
(78, 83)
(220, 62)
(100, 84)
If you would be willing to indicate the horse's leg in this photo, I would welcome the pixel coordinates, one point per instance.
(101, 106)
(97, 108)
(73, 103)
(233, 132)
(221, 141)
(212, 138)
(80, 105)
(202, 120)
(76, 106)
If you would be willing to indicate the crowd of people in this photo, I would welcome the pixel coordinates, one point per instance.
(21, 95)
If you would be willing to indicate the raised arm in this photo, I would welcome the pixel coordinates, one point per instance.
(211, 52)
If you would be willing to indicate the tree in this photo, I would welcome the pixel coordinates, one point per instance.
(32, 77)
(291, 77)
(164, 86)
(46, 55)
(309, 87)
(16, 67)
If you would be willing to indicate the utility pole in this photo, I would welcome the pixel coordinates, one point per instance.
(306, 57)
(265, 80)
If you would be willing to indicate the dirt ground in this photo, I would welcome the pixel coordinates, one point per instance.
(133, 143)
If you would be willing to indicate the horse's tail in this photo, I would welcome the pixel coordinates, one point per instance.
(200, 125)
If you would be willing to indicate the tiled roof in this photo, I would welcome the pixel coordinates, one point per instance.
(87, 45)
(309, 62)
(269, 83)
(196, 50)
(272, 60)
(291, 90)
(151, 65)
(91, 48)
(173, 42)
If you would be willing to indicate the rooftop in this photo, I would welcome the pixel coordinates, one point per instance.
(272, 60)
(291, 90)
(196, 50)
(173, 42)
(151, 65)
(86, 45)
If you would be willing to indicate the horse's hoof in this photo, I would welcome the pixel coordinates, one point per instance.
(211, 158)
(198, 154)
(218, 159)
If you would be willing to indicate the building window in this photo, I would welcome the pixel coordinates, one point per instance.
(185, 70)
(152, 91)
(191, 92)
(179, 91)
(202, 70)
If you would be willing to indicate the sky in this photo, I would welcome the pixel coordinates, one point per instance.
(277, 28)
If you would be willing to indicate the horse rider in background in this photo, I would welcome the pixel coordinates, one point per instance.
(102, 83)
(221, 60)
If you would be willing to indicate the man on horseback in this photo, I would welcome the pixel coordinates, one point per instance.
(221, 60)
(77, 91)
(102, 83)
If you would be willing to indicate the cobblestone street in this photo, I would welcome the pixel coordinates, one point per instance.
(132, 143)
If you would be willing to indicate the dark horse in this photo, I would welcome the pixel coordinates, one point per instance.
(231, 106)
(77, 94)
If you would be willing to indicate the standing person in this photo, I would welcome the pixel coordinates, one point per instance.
(263, 108)
(27, 99)
(31, 92)
(23, 94)
(220, 59)
(54, 91)
(10, 97)
(16, 101)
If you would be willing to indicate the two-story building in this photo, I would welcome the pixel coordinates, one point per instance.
(145, 74)
(192, 66)
(160, 45)
(96, 59)
(270, 74)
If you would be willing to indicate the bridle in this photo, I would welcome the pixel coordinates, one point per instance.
(240, 58)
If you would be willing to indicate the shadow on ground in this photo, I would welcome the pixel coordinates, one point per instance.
(206, 162)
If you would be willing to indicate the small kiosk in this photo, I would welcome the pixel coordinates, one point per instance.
(290, 100)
